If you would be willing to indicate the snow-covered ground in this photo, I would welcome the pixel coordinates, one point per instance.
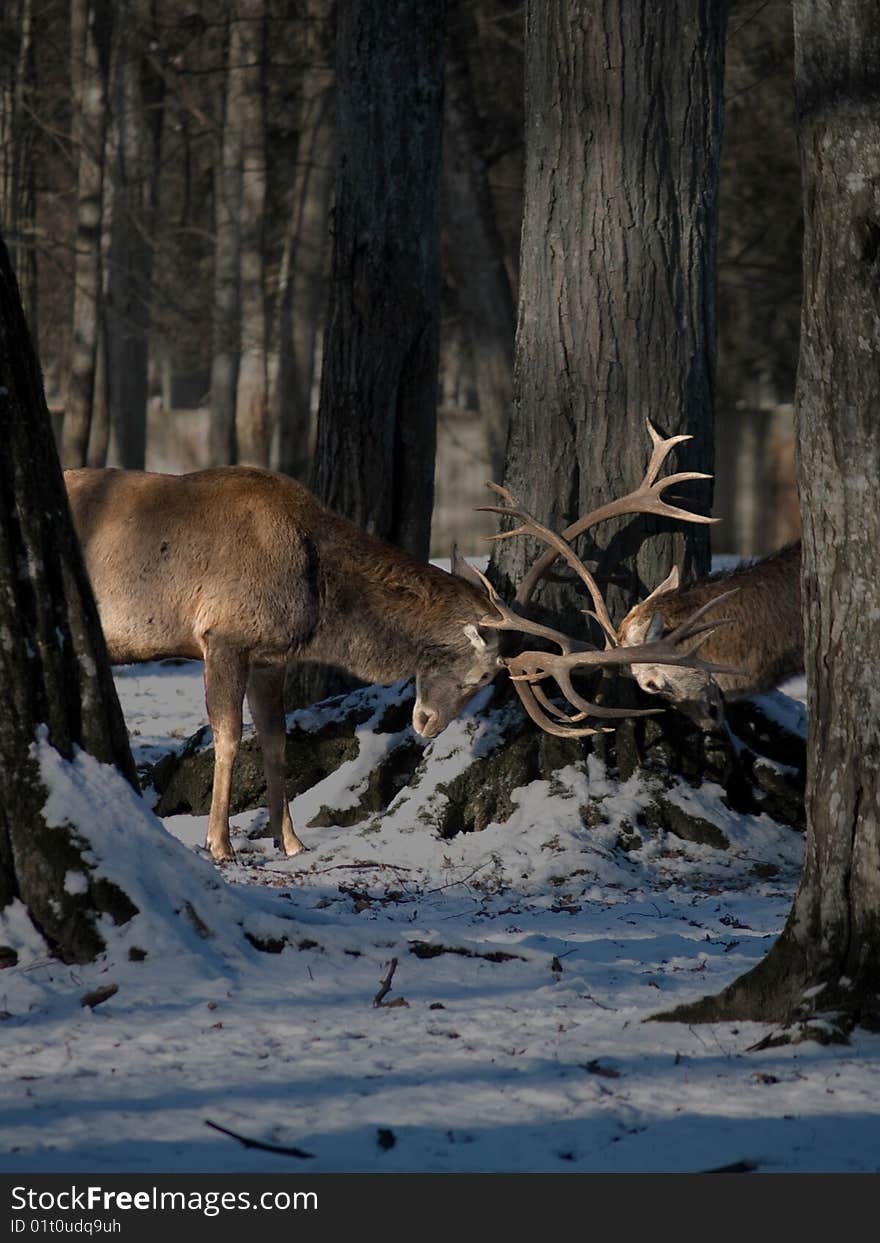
(513, 1037)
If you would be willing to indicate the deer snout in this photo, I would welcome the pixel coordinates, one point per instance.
(426, 722)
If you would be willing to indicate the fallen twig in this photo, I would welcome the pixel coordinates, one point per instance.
(99, 995)
(385, 986)
(380, 867)
(283, 1151)
(464, 880)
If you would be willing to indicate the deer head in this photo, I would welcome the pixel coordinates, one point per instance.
(693, 691)
(443, 689)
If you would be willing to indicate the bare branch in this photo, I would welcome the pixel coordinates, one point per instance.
(280, 1149)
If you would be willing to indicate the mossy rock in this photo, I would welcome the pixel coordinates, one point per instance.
(185, 781)
(481, 794)
(662, 813)
(394, 771)
(780, 792)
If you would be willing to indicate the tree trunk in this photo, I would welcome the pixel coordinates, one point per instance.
(88, 29)
(99, 437)
(252, 391)
(474, 248)
(828, 956)
(137, 119)
(227, 243)
(303, 284)
(54, 673)
(377, 415)
(616, 313)
(17, 156)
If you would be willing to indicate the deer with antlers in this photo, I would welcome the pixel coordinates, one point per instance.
(763, 638)
(245, 570)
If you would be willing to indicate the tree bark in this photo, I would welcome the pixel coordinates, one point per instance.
(616, 316)
(88, 83)
(474, 247)
(227, 243)
(54, 673)
(252, 390)
(377, 414)
(303, 284)
(17, 155)
(828, 956)
(137, 119)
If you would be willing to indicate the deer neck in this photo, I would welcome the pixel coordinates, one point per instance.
(371, 644)
(382, 624)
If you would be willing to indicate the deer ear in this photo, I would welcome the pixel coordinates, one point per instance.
(475, 637)
(655, 629)
(633, 628)
(461, 568)
(670, 583)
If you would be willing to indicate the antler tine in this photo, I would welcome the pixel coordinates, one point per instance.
(587, 708)
(529, 668)
(688, 628)
(647, 498)
(596, 710)
(557, 545)
(662, 447)
(610, 633)
(506, 619)
(533, 708)
(547, 704)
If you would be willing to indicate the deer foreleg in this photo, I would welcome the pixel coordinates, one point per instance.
(225, 682)
(265, 694)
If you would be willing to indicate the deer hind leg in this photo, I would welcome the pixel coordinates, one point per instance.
(265, 692)
(225, 682)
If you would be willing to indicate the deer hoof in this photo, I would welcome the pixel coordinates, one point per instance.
(221, 853)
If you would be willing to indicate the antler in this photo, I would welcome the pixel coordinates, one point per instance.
(646, 499)
(529, 669)
(559, 547)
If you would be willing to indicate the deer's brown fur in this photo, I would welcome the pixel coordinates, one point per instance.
(245, 570)
(764, 639)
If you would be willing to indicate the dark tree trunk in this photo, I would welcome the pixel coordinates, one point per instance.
(137, 121)
(99, 435)
(303, 284)
(474, 247)
(252, 389)
(828, 956)
(89, 56)
(227, 244)
(617, 280)
(54, 672)
(18, 132)
(377, 416)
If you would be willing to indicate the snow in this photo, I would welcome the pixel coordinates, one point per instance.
(529, 957)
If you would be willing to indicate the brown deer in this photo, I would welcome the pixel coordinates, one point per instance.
(245, 570)
(763, 639)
